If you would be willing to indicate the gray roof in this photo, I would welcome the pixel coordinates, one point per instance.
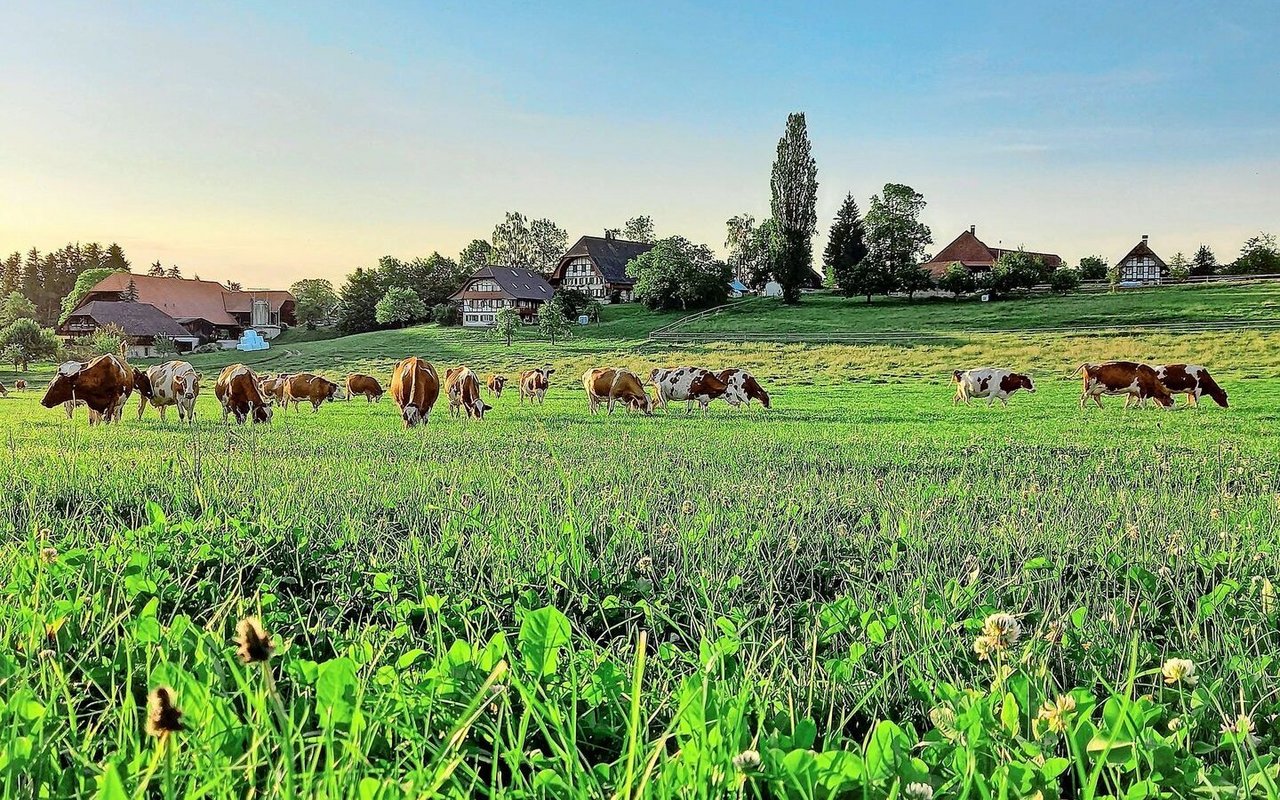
(610, 256)
(520, 284)
(137, 319)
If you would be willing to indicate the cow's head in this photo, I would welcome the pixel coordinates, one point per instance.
(499, 382)
(756, 392)
(261, 413)
(141, 383)
(479, 407)
(184, 385)
(63, 386)
(642, 403)
(1218, 394)
(1025, 382)
(335, 391)
(1161, 395)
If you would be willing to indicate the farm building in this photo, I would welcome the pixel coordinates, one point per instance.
(142, 322)
(491, 289)
(1141, 265)
(206, 310)
(975, 255)
(597, 265)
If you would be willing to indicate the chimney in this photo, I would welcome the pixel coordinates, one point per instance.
(609, 233)
(973, 229)
(1144, 238)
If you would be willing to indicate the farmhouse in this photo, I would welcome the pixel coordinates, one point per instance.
(597, 265)
(1142, 265)
(142, 322)
(206, 310)
(975, 255)
(492, 288)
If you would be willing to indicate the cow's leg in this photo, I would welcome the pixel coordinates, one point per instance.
(142, 406)
(163, 409)
(1097, 398)
(991, 399)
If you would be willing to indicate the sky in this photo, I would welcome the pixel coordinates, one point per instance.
(268, 142)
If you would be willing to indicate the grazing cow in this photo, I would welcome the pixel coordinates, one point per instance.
(742, 384)
(463, 390)
(273, 388)
(534, 383)
(366, 385)
(1137, 382)
(415, 387)
(1192, 380)
(173, 383)
(102, 385)
(308, 387)
(240, 393)
(20, 385)
(989, 382)
(496, 384)
(693, 384)
(610, 385)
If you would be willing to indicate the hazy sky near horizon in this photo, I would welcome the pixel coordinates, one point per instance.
(265, 142)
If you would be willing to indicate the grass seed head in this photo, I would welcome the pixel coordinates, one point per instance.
(252, 642)
(163, 716)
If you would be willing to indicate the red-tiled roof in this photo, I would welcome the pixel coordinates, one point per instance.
(972, 252)
(185, 299)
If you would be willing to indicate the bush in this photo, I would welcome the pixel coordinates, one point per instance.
(1064, 280)
(446, 314)
(958, 280)
(165, 345)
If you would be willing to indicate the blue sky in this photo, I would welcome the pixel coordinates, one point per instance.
(268, 143)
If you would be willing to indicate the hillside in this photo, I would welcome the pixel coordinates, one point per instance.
(828, 313)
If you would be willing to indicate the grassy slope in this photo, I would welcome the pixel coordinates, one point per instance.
(828, 313)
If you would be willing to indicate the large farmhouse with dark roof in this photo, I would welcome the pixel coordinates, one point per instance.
(141, 322)
(597, 265)
(493, 288)
(976, 256)
(205, 311)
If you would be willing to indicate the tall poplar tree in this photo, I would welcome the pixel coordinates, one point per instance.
(794, 186)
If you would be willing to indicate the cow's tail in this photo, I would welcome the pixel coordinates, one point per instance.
(1080, 369)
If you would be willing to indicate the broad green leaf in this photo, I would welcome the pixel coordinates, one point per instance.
(542, 634)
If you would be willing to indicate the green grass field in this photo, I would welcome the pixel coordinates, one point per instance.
(751, 603)
(826, 313)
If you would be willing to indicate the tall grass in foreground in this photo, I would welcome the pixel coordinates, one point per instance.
(862, 594)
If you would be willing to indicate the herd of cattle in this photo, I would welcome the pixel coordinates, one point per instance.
(1137, 382)
(105, 385)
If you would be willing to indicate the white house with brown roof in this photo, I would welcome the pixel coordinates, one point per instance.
(493, 288)
(597, 265)
(976, 256)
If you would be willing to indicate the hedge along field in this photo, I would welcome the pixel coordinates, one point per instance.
(547, 603)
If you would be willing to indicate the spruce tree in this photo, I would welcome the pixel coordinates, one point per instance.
(1204, 262)
(794, 186)
(846, 247)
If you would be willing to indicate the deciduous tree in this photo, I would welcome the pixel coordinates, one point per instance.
(552, 323)
(1260, 255)
(958, 280)
(24, 341)
(314, 301)
(896, 238)
(399, 306)
(16, 306)
(678, 274)
(1093, 268)
(506, 324)
(478, 253)
(639, 229)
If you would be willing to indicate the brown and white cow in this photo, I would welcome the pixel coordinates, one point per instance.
(496, 384)
(462, 387)
(173, 383)
(305, 387)
(103, 385)
(989, 382)
(272, 389)
(693, 385)
(1192, 380)
(415, 387)
(614, 385)
(20, 385)
(359, 384)
(240, 393)
(741, 384)
(1138, 382)
(534, 384)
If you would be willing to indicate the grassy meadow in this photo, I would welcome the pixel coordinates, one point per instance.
(827, 313)
(747, 603)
